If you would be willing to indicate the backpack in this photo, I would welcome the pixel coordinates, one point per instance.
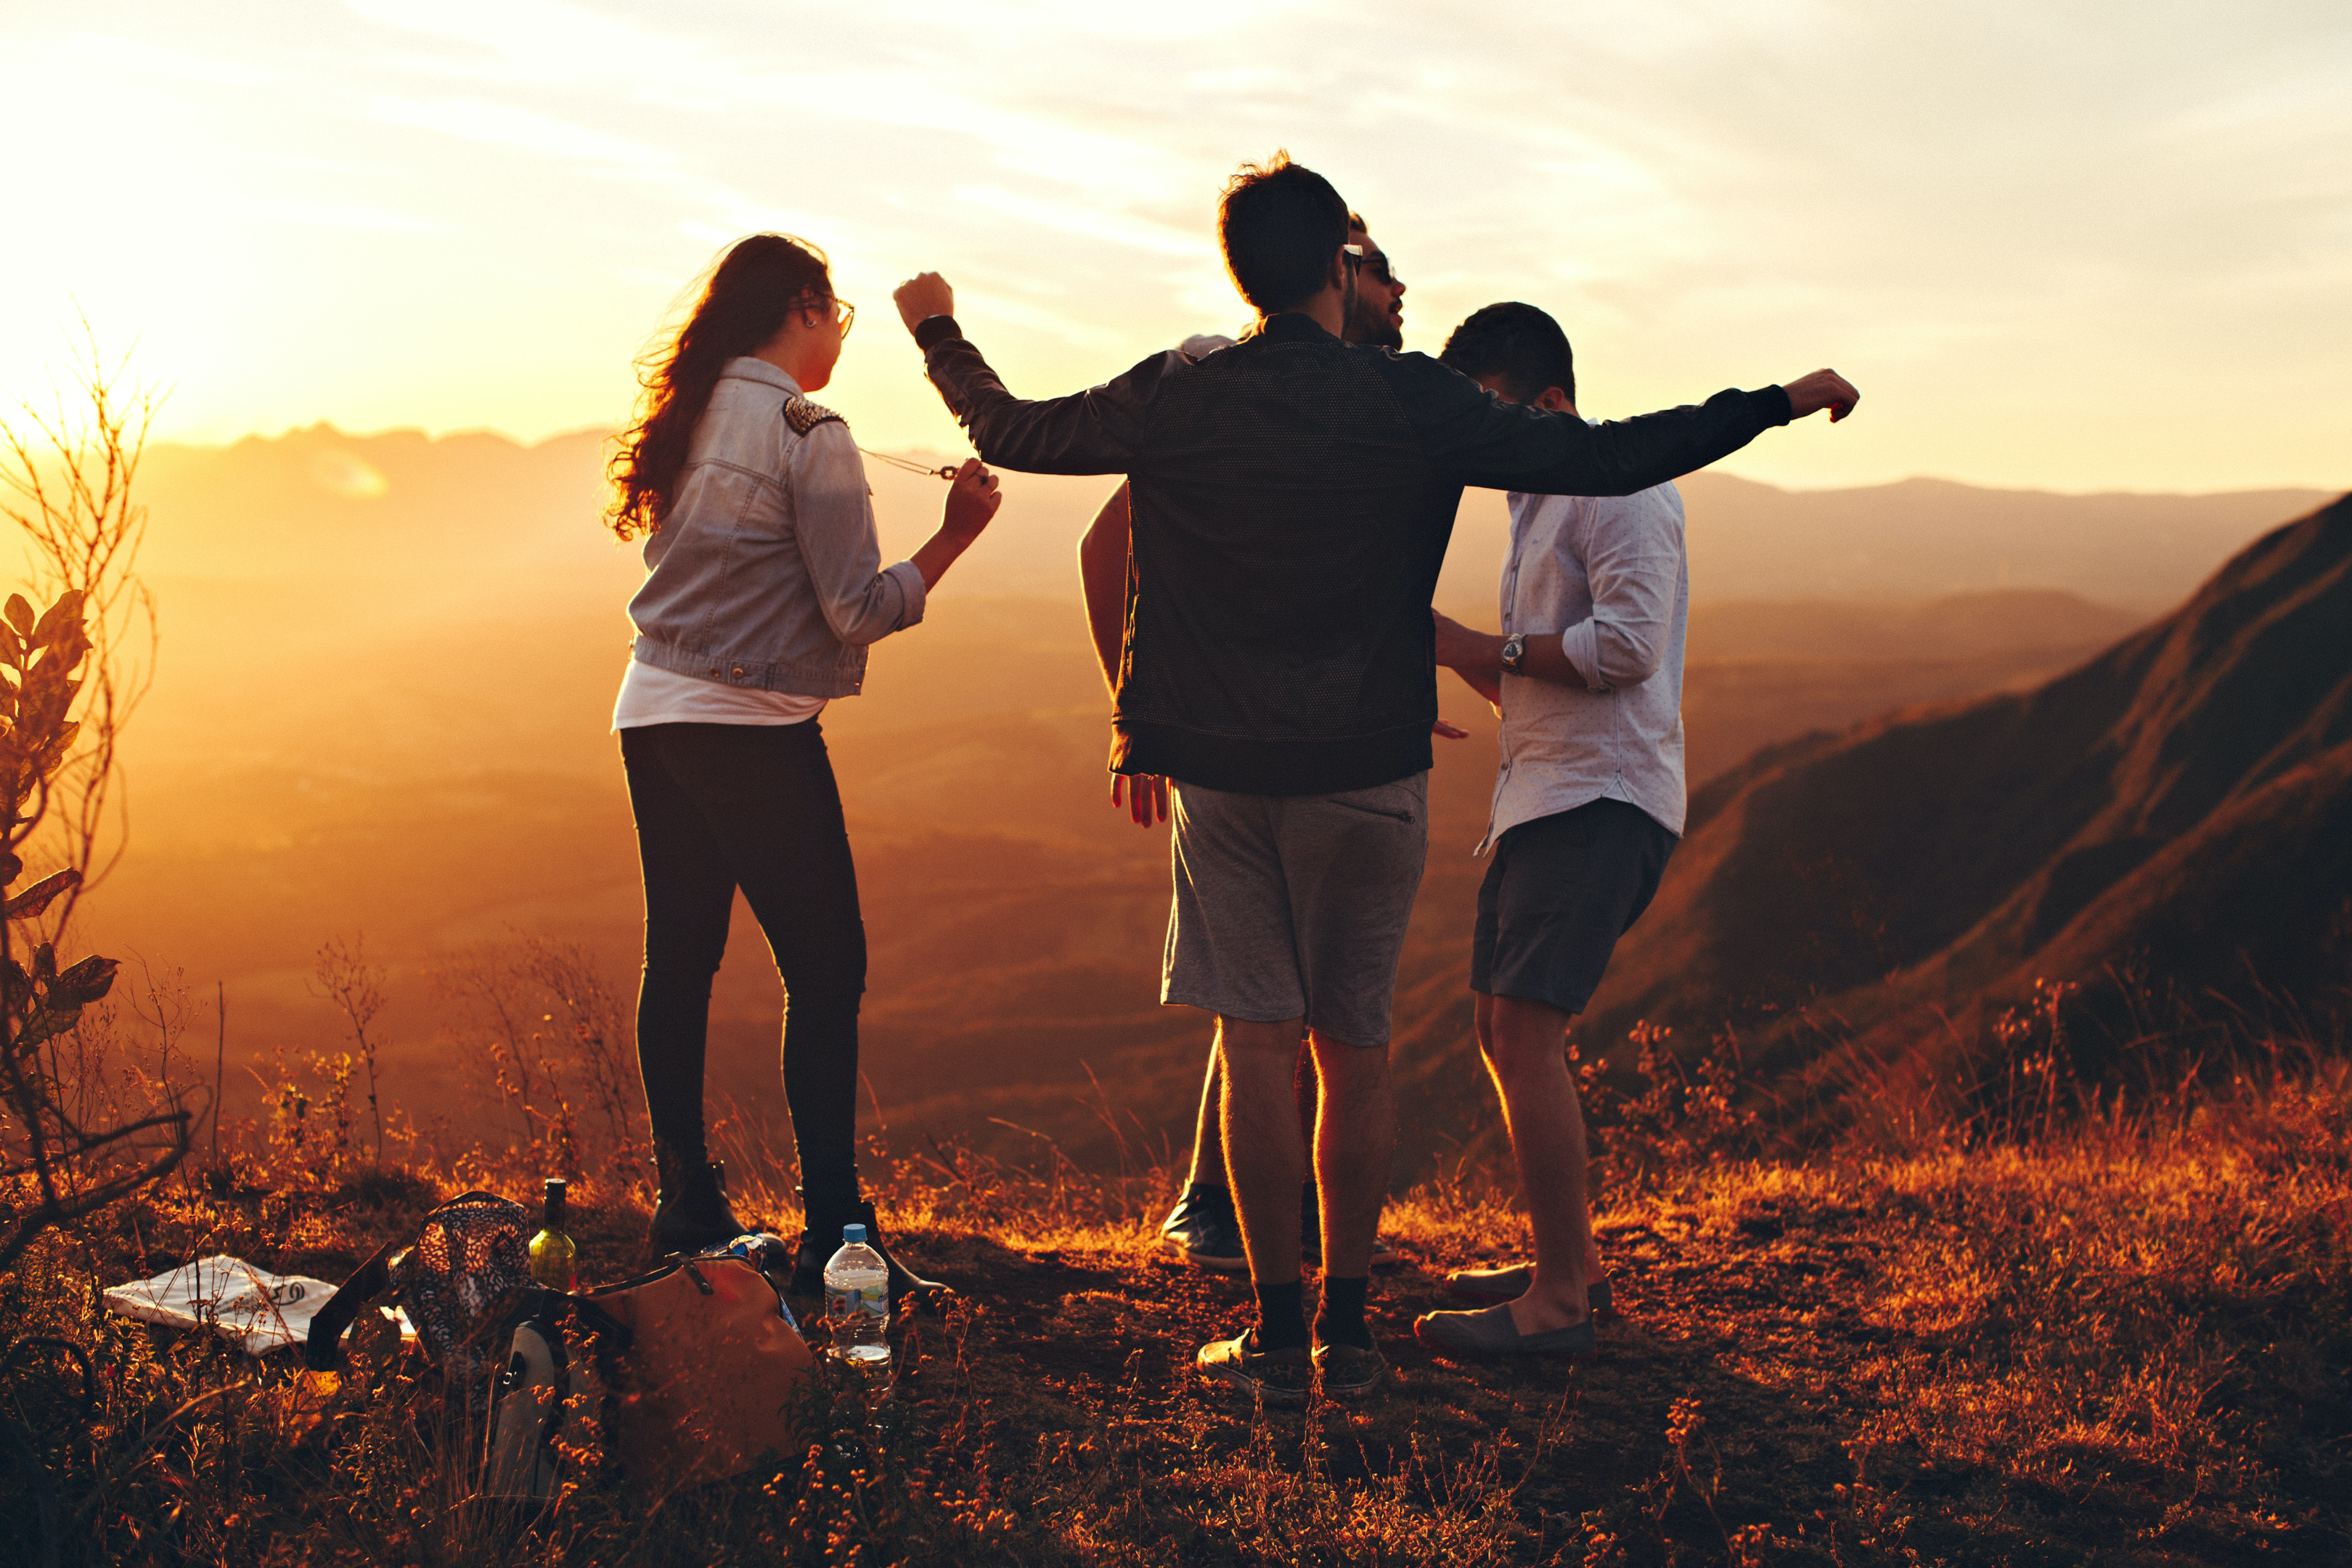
(548, 1392)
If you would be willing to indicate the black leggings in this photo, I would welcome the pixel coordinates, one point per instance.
(722, 806)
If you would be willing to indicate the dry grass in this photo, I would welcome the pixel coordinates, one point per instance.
(2124, 1338)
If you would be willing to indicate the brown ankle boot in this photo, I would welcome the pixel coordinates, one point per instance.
(691, 1211)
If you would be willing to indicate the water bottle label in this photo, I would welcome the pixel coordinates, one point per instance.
(869, 1300)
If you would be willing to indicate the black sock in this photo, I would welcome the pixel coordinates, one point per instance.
(1282, 1317)
(1341, 1320)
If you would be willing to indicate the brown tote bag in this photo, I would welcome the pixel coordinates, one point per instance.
(709, 1381)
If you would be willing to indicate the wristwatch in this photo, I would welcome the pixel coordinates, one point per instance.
(1515, 647)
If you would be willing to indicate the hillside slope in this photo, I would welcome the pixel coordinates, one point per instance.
(2178, 803)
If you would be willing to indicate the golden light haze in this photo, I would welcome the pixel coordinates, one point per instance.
(2088, 247)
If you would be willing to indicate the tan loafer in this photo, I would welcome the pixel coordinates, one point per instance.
(1510, 1282)
(1490, 1332)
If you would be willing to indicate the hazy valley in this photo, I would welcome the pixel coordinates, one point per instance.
(387, 669)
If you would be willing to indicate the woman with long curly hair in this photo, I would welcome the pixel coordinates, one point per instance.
(765, 588)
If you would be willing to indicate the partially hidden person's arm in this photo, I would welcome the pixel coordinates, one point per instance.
(1475, 655)
(1487, 683)
(1091, 431)
(1103, 556)
(1479, 440)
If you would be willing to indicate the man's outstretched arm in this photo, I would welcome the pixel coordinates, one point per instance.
(1481, 441)
(1090, 432)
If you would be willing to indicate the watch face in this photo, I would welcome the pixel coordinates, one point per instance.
(1514, 649)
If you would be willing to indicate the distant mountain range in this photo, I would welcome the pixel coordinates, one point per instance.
(464, 510)
(1926, 538)
(387, 671)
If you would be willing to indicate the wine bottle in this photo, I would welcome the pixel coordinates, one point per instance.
(554, 1256)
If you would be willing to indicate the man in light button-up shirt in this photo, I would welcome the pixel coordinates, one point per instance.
(1587, 674)
(1613, 572)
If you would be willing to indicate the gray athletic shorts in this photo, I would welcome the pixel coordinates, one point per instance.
(1559, 893)
(1294, 906)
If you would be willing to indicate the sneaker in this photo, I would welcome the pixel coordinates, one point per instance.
(1348, 1371)
(1205, 1228)
(1273, 1377)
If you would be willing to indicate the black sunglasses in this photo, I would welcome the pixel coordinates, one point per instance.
(1374, 262)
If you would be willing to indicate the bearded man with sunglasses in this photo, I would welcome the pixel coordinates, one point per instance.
(1292, 497)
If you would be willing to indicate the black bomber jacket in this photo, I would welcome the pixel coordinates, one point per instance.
(1292, 497)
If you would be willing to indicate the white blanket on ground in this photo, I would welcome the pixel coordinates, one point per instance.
(261, 1310)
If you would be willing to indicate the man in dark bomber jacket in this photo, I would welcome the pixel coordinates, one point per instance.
(1292, 500)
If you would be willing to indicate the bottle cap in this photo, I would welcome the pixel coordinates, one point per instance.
(853, 1236)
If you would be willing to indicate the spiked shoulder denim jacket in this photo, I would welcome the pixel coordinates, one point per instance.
(767, 571)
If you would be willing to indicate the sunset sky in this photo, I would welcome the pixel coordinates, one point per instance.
(2080, 247)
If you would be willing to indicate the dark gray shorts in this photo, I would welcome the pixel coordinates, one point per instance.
(1294, 906)
(1561, 892)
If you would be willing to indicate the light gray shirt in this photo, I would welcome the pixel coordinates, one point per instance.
(1609, 576)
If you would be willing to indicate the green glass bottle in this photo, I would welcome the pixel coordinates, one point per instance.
(552, 1254)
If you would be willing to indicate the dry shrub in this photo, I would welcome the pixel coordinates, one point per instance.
(551, 1040)
(1671, 1115)
(70, 675)
(312, 1130)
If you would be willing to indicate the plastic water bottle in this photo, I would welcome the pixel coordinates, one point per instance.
(857, 1304)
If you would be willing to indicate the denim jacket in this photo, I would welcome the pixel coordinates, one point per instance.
(767, 571)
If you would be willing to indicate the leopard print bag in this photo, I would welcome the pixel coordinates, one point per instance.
(460, 1281)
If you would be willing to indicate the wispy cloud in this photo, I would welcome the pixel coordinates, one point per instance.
(524, 129)
(332, 215)
(120, 54)
(1703, 189)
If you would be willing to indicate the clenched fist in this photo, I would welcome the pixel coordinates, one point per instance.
(1822, 389)
(923, 296)
(972, 500)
